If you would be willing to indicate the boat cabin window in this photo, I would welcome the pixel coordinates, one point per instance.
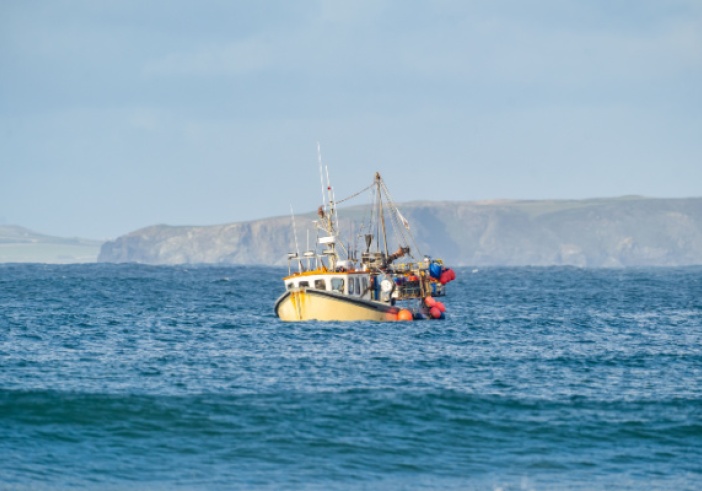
(337, 284)
(351, 287)
(364, 285)
(320, 284)
(304, 283)
(290, 285)
(358, 286)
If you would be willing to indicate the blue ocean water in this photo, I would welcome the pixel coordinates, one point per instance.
(139, 377)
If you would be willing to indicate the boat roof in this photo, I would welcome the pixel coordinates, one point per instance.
(324, 272)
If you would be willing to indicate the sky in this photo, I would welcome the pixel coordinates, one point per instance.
(117, 115)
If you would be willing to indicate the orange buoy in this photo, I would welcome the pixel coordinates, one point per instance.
(440, 306)
(405, 315)
(434, 312)
(429, 301)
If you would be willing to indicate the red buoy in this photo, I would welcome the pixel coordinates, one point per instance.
(405, 315)
(429, 301)
(435, 313)
(440, 306)
(447, 275)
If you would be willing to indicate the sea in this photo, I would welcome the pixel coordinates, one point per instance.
(131, 377)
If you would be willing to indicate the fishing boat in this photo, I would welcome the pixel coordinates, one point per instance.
(337, 283)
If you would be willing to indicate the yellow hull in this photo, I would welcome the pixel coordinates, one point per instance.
(304, 304)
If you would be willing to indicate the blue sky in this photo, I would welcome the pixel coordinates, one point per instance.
(116, 115)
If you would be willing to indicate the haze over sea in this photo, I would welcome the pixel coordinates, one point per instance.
(140, 377)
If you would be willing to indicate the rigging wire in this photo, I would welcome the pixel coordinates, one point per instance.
(354, 195)
(374, 223)
(405, 233)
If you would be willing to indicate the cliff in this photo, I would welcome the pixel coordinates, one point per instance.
(628, 231)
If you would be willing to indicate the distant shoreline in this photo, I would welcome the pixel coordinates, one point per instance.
(21, 245)
(592, 233)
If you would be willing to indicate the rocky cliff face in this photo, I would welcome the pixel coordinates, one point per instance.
(618, 232)
(259, 242)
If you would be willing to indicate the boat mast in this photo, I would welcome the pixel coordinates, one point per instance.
(321, 175)
(381, 212)
(326, 213)
(297, 247)
(328, 205)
